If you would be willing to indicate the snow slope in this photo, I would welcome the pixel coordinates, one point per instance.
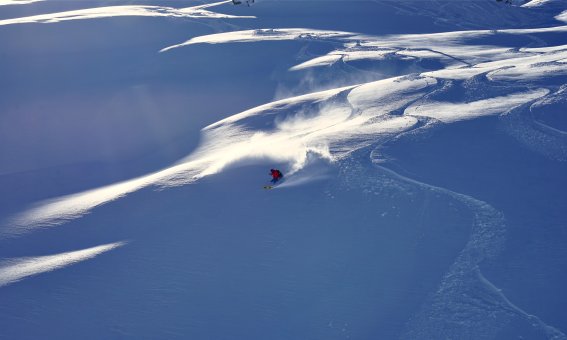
(114, 11)
(16, 2)
(424, 173)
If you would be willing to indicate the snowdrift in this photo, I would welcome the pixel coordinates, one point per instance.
(417, 166)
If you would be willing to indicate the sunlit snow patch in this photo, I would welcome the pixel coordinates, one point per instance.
(540, 3)
(122, 11)
(266, 35)
(450, 48)
(13, 270)
(452, 112)
(62, 209)
(17, 2)
(345, 56)
(335, 123)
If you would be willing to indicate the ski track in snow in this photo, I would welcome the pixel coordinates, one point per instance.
(335, 122)
(13, 270)
(466, 305)
(465, 297)
(523, 125)
(332, 127)
(328, 128)
(197, 12)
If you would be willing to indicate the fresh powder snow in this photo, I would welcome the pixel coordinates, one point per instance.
(423, 146)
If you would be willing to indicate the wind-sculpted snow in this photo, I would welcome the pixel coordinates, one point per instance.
(325, 123)
(452, 50)
(267, 35)
(541, 3)
(452, 47)
(479, 14)
(17, 2)
(345, 56)
(451, 112)
(535, 3)
(335, 122)
(404, 244)
(528, 64)
(13, 270)
(330, 123)
(198, 12)
(62, 209)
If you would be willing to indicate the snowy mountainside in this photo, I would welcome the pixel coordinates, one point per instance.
(424, 171)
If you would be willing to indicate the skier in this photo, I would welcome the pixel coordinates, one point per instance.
(276, 175)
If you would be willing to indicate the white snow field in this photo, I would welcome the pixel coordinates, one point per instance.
(17, 269)
(114, 11)
(16, 2)
(423, 146)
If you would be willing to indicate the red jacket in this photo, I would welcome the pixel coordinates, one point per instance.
(276, 174)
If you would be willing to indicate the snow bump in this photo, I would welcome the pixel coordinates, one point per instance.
(13, 270)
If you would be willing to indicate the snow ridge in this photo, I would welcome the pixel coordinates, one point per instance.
(364, 112)
(17, 2)
(197, 12)
(13, 270)
(451, 77)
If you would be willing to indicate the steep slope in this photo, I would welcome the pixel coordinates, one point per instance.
(417, 201)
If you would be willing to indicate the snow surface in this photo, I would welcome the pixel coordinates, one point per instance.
(540, 3)
(16, 2)
(17, 269)
(114, 11)
(424, 170)
(562, 16)
(451, 112)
